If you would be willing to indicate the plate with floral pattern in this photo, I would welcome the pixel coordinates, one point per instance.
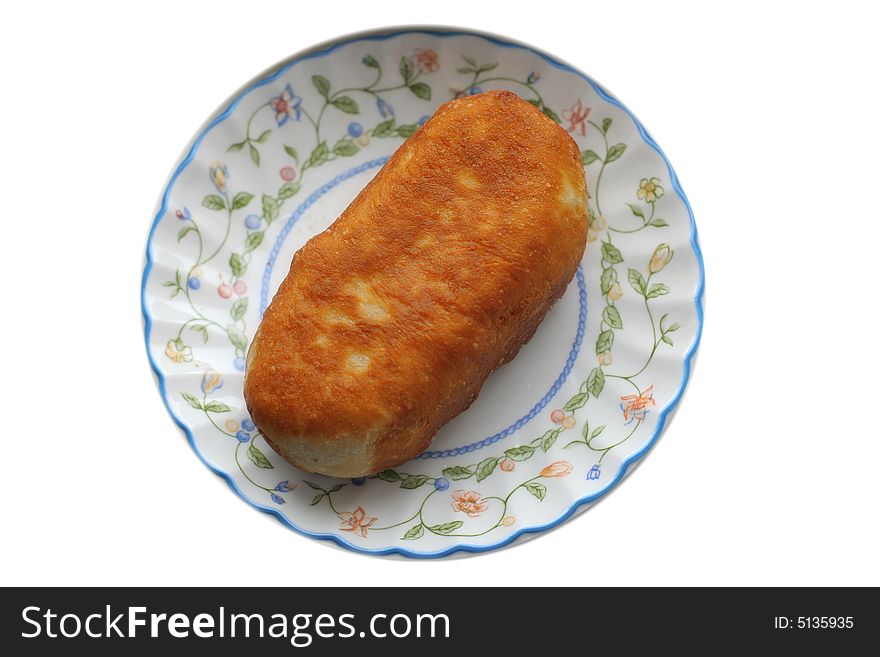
(553, 430)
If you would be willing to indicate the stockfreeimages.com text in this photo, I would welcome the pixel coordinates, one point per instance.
(300, 629)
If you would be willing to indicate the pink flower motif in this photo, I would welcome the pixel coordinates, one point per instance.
(426, 60)
(356, 521)
(469, 502)
(287, 173)
(635, 407)
(557, 469)
(577, 118)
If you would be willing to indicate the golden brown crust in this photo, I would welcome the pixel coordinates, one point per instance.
(438, 272)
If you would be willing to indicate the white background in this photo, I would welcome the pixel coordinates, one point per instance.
(768, 473)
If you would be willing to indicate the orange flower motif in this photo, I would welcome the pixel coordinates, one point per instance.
(577, 118)
(426, 60)
(557, 469)
(469, 502)
(357, 521)
(635, 407)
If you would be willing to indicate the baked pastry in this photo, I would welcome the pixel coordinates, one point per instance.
(389, 321)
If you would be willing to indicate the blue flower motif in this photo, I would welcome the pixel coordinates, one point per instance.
(358, 481)
(247, 424)
(194, 283)
(424, 119)
(441, 483)
(239, 364)
(243, 436)
(277, 499)
(475, 90)
(355, 129)
(594, 472)
(385, 108)
(286, 106)
(283, 486)
(183, 215)
(252, 221)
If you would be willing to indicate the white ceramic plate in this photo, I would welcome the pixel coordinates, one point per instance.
(553, 430)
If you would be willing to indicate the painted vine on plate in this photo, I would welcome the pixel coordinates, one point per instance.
(458, 482)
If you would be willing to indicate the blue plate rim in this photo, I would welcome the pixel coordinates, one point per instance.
(384, 34)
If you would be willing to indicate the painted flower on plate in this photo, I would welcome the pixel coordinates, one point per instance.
(576, 116)
(615, 292)
(384, 107)
(649, 190)
(426, 60)
(557, 469)
(178, 352)
(219, 174)
(286, 106)
(356, 521)
(468, 502)
(596, 226)
(635, 407)
(464, 93)
(211, 381)
(661, 257)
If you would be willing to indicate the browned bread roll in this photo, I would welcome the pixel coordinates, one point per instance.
(389, 321)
